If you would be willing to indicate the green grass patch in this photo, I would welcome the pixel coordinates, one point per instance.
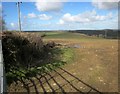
(68, 55)
(68, 35)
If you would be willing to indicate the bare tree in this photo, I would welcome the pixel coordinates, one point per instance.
(2, 22)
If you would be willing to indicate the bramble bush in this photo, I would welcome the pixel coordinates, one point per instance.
(25, 54)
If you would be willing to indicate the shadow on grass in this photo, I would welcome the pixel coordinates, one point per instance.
(48, 77)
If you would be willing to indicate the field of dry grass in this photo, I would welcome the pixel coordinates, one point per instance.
(95, 61)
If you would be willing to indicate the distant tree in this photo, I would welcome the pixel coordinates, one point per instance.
(2, 22)
(3, 25)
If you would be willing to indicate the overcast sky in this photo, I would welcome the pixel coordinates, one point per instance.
(62, 15)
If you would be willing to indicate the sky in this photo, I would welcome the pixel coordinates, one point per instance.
(61, 15)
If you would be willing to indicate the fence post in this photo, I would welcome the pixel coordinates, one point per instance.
(2, 72)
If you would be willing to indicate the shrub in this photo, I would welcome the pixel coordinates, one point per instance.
(20, 49)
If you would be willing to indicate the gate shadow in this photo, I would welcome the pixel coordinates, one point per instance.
(47, 76)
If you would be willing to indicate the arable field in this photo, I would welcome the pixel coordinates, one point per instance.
(95, 59)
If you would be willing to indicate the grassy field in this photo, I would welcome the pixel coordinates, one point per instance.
(67, 35)
(95, 60)
(92, 59)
